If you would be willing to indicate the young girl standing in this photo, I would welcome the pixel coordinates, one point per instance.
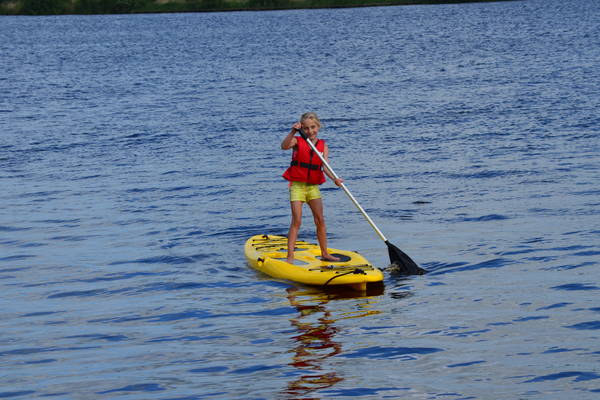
(306, 173)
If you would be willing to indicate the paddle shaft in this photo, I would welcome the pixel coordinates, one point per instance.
(362, 210)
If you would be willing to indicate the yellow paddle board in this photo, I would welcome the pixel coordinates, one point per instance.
(268, 254)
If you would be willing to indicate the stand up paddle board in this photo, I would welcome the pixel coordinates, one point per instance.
(268, 254)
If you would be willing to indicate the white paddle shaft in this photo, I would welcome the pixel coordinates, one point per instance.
(363, 212)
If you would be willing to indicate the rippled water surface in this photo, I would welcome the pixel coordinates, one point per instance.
(139, 152)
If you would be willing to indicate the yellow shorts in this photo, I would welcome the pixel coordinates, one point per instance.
(302, 191)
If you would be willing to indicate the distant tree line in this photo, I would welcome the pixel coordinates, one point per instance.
(107, 6)
(46, 7)
(35, 7)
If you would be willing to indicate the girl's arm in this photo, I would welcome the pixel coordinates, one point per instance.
(339, 181)
(290, 141)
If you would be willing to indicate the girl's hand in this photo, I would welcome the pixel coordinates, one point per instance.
(338, 181)
(290, 140)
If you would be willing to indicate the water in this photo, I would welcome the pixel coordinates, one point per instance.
(139, 152)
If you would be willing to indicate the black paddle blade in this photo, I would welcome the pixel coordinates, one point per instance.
(403, 263)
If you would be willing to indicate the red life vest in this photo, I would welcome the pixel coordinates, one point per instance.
(306, 166)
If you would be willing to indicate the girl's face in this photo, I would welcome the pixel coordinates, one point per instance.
(310, 128)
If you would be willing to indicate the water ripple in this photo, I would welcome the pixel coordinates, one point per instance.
(439, 269)
(590, 325)
(576, 286)
(404, 353)
(578, 376)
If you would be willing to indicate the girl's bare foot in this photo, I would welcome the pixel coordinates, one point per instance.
(329, 257)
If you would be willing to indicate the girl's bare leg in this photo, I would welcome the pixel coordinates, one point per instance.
(316, 207)
(294, 228)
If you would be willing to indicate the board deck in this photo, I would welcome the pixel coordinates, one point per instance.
(268, 254)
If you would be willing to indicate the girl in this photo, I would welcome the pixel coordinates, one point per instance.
(305, 175)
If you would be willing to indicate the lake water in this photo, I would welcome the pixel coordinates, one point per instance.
(139, 152)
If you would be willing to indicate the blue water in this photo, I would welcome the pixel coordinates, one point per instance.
(139, 152)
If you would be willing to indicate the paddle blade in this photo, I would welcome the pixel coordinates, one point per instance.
(402, 263)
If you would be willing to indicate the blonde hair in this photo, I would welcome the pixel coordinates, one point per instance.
(310, 115)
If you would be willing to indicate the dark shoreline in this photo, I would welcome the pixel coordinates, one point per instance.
(75, 7)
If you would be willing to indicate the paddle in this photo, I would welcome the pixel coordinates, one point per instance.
(398, 258)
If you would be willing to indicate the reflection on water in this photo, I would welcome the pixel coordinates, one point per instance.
(315, 342)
